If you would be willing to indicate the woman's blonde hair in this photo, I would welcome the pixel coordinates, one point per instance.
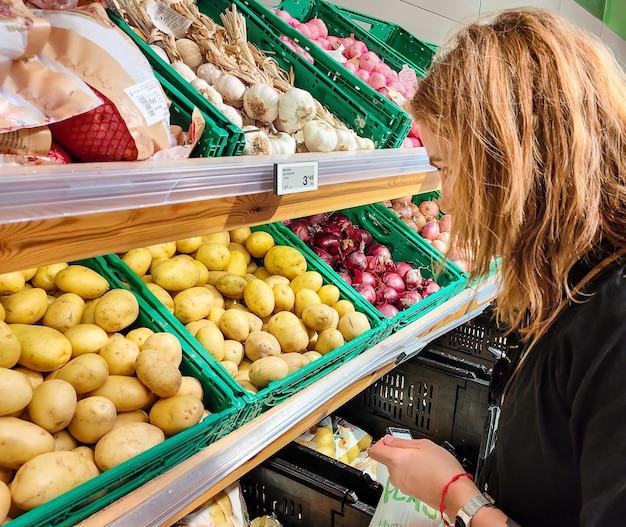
(533, 111)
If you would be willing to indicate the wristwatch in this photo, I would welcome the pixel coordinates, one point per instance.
(466, 513)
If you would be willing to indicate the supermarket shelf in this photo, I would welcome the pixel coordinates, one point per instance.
(179, 491)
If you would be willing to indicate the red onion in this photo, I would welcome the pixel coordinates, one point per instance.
(379, 251)
(330, 228)
(386, 295)
(388, 310)
(413, 279)
(301, 229)
(286, 222)
(355, 261)
(430, 231)
(346, 277)
(339, 219)
(358, 235)
(408, 298)
(402, 268)
(430, 209)
(323, 255)
(328, 241)
(366, 291)
(365, 277)
(429, 286)
(319, 218)
(394, 280)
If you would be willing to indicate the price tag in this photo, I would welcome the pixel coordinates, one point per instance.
(290, 178)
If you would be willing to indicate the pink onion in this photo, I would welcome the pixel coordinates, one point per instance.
(403, 210)
(403, 200)
(355, 261)
(430, 231)
(394, 280)
(380, 251)
(323, 255)
(328, 241)
(366, 291)
(365, 277)
(413, 278)
(346, 277)
(410, 223)
(388, 310)
(420, 220)
(440, 245)
(402, 268)
(386, 295)
(429, 208)
(445, 223)
(408, 298)
(429, 286)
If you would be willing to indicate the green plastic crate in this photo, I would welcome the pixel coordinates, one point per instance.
(213, 141)
(403, 248)
(341, 26)
(92, 496)
(417, 51)
(235, 140)
(351, 100)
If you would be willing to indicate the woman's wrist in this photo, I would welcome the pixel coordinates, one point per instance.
(458, 494)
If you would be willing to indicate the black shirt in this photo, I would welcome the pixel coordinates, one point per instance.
(560, 455)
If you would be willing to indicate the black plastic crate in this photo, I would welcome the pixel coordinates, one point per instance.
(436, 396)
(304, 488)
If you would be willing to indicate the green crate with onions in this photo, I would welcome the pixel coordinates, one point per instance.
(90, 497)
(430, 273)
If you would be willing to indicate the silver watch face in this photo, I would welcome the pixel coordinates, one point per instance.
(462, 519)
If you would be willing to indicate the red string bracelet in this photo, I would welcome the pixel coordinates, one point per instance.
(445, 491)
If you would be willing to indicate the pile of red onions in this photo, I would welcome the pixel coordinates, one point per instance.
(363, 262)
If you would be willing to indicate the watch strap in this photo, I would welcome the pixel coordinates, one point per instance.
(466, 513)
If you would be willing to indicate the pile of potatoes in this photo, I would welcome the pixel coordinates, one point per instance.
(252, 304)
(77, 395)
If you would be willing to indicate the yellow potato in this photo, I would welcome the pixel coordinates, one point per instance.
(43, 348)
(136, 416)
(222, 237)
(49, 475)
(86, 338)
(284, 297)
(138, 260)
(305, 297)
(6, 475)
(191, 386)
(214, 256)
(312, 355)
(237, 263)
(212, 339)
(86, 452)
(162, 250)
(85, 373)
(5, 501)
(88, 312)
(215, 314)
(294, 361)
(255, 323)
(203, 273)
(193, 304)
(308, 280)
(230, 367)
(259, 297)
(261, 344)
(63, 440)
(2, 312)
(239, 235)
(10, 347)
(125, 442)
(167, 344)
(94, 417)
(139, 335)
(262, 273)
(81, 280)
(34, 377)
(126, 393)
(214, 276)
(329, 294)
(258, 243)
(268, 369)
(53, 405)
(312, 338)
(343, 306)
(290, 332)
(157, 373)
(194, 326)
(188, 245)
(234, 246)
(26, 306)
(65, 312)
(233, 351)
(285, 261)
(353, 325)
(247, 385)
(252, 266)
(16, 391)
(176, 273)
(234, 325)
(120, 354)
(22, 440)
(231, 285)
(162, 295)
(177, 413)
(45, 275)
(116, 310)
(328, 340)
(320, 317)
(11, 283)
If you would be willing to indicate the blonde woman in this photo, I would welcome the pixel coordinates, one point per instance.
(524, 116)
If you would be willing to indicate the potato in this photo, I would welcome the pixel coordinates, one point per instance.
(328, 340)
(215, 314)
(320, 317)
(294, 361)
(261, 344)
(194, 326)
(176, 273)
(353, 324)
(312, 355)
(230, 367)
(120, 354)
(329, 294)
(259, 297)
(26, 306)
(86, 452)
(34, 377)
(22, 440)
(233, 350)
(53, 405)
(157, 373)
(255, 323)
(290, 332)
(343, 306)
(81, 280)
(86, 338)
(10, 347)
(85, 373)
(203, 273)
(312, 338)
(305, 297)
(307, 280)
(167, 344)
(222, 237)
(234, 325)
(64, 441)
(88, 312)
(138, 260)
(268, 369)
(49, 475)
(262, 273)
(11, 283)
(285, 261)
(258, 243)
(239, 247)
(239, 235)
(212, 339)
(45, 275)
(248, 386)
(191, 386)
(94, 417)
(136, 416)
(65, 312)
(139, 335)
(43, 348)
(237, 263)
(188, 245)
(5, 501)
(16, 391)
(126, 393)
(214, 256)
(6, 475)
(192, 304)
(231, 285)
(252, 267)
(177, 413)
(162, 250)
(162, 295)
(116, 310)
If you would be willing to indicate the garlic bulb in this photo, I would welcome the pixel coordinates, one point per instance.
(295, 108)
(283, 143)
(346, 140)
(184, 71)
(260, 102)
(209, 72)
(231, 114)
(160, 52)
(257, 142)
(231, 89)
(319, 136)
(364, 143)
(207, 91)
(189, 52)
